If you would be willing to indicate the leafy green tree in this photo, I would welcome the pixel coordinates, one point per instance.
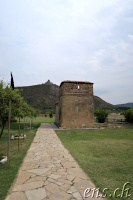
(129, 115)
(19, 107)
(4, 102)
(101, 115)
(31, 112)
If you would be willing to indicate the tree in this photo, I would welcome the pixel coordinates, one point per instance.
(3, 107)
(129, 115)
(101, 114)
(19, 107)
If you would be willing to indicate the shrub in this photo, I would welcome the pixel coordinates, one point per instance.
(50, 114)
(101, 115)
(129, 115)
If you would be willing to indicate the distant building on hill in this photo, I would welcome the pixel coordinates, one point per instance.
(75, 108)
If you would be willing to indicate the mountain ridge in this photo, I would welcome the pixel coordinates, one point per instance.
(129, 105)
(44, 96)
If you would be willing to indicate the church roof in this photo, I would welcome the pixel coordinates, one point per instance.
(78, 82)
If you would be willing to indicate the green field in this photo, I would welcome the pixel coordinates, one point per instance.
(7, 175)
(105, 155)
(38, 120)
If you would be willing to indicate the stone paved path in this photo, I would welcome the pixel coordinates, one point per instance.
(49, 172)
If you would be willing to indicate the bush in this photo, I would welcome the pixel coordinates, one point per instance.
(129, 115)
(50, 114)
(101, 115)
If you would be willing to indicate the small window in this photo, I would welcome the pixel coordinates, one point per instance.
(78, 87)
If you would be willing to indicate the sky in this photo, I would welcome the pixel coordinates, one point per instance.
(78, 40)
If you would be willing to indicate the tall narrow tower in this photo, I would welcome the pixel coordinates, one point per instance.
(75, 108)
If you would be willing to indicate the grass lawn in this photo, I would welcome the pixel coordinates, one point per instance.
(106, 155)
(38, 120)
(44, 120)
(7, 175)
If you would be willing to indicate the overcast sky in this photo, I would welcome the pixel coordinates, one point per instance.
(83, 40)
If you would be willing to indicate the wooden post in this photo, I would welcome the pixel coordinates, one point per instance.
(8, 145)
(30, 122)
(19, 133)
(24, 128)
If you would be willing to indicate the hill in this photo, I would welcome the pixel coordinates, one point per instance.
(129, 105)
(41, 96)
(44, 96)
(98, 102)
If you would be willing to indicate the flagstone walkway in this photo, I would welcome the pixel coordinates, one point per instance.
(49, 172)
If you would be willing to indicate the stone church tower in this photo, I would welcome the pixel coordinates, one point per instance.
(75, 108)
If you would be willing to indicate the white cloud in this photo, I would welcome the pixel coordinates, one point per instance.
(78, 40)
(130, 37)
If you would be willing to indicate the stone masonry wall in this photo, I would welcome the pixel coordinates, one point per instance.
(76, 106)
(57, 114)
